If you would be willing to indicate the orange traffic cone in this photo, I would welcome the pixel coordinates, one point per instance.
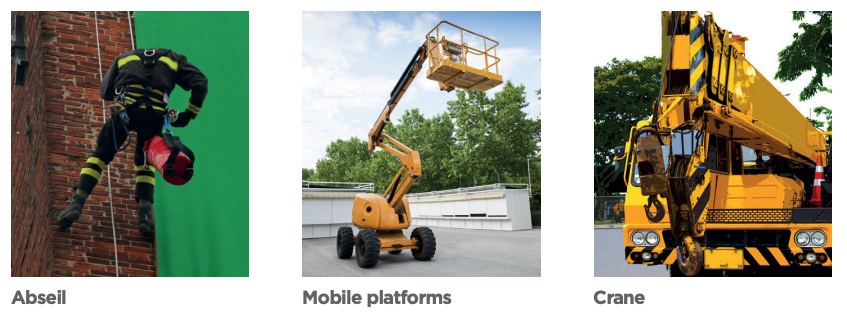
(816, 188)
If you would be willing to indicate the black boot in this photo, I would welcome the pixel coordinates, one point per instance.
(72, 212)
(145, 220)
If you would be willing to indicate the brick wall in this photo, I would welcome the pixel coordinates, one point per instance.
(73, 116)
(32, 246)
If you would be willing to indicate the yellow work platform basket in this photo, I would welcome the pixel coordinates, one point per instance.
(448, 60)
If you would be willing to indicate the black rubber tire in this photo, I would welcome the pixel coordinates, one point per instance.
(344, 243)
(367, 248)
(425, 239)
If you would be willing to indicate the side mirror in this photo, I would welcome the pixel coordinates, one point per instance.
(619, 152)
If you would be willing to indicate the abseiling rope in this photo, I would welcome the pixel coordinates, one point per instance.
(108, 167)
(131, 37)
(155, 237)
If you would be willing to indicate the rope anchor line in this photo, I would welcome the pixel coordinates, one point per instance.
(108, 167)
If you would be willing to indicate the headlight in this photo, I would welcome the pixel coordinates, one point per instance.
(637, 238)
(810, 258)
(652, 238)
(647, 256)
(802, 238)
(810, 238)
(818, 238)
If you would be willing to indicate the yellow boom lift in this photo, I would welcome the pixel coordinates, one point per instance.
(381, 218)
(715, 112)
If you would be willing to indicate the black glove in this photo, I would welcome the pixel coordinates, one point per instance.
(181, 120)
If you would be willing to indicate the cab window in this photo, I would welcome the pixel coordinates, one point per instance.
(717, 157)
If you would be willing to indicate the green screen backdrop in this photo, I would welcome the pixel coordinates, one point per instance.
(202, 226)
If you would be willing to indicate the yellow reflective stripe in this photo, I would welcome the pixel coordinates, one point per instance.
(97, 161)
(141, 87)
(143, 168)
(194, 109)
(130, 100)
(154, 107)
(145, 179)
(170, 62)
(90, 172)
(127, 59)
(138, 95)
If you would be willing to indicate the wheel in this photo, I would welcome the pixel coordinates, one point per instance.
(425, 240)
(367, 248)
(344, 242)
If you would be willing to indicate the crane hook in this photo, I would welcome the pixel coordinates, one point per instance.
(660, 210)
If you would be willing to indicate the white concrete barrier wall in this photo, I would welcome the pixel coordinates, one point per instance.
(506, 211)
(325, 230)
(323, 216)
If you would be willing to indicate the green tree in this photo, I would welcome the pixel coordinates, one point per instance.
(307, 174)
(811, 50)
(433, 139)
(492, 134)
(343, 159)
(624, 93)
(349, 160)
(826, 112)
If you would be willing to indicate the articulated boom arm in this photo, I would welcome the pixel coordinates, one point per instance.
(411, 166)
(411, 159)
(375, 135)
(449, 74)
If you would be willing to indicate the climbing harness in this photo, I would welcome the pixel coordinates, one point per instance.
(150, 57)
(136, 95)
(117, 112)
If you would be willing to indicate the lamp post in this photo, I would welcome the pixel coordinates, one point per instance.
(529, 176)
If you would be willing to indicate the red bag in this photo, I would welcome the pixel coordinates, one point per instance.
(171, 158)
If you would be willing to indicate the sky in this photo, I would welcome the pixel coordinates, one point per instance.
(768, 33)
(352, 60)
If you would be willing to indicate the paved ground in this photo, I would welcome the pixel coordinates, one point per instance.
(609, 257)
(607, 226)
(459, 252)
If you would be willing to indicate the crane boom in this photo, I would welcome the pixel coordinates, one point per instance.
(706, 71)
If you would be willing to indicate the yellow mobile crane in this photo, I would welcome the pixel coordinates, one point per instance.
(739, 171)
(381, 218)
